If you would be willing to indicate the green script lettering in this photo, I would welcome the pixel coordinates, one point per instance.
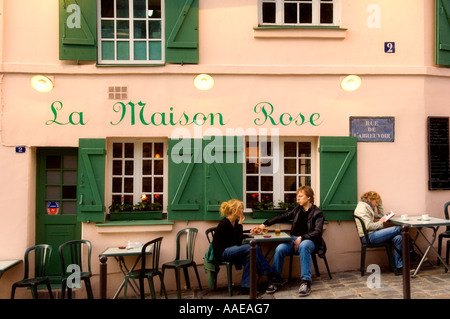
(57, 107)
(266, 111)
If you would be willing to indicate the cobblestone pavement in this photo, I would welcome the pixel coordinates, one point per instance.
(430, 283)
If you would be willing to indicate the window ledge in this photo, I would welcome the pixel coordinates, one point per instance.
(300, 32)
(132, 226)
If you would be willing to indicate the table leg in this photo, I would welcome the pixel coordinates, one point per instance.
(123, 268)
(430, 247)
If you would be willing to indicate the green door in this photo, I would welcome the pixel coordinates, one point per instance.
(56, 205)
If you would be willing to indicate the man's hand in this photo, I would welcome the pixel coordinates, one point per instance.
(297, 243)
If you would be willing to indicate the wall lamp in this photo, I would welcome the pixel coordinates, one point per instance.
(203, 82)
(351, 83)
(41, 83)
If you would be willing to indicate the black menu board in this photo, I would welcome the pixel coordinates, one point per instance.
(438, 153)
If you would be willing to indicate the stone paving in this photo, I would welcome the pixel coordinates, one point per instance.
(431, 283)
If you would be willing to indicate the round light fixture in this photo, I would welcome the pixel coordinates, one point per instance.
(41, 83)
(351, 83)
(203, 82)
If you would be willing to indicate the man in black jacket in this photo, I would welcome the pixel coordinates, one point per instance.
(307, 226)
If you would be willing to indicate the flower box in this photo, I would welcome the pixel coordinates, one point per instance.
(134, 215)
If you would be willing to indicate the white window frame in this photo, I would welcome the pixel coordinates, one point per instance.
(279, 16)
(131, 39)
(278, 176)
(137, 168)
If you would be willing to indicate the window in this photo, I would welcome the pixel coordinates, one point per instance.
(275, 169)
(298, 12)
(137, 168)
(131, 31)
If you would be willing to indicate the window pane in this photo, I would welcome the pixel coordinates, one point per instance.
(122, 9)
(159, 150)
(154, 9)
(53, 162)
(305, 180)
(129, 168)
(123, 30)
(69, 192)
(147, 149)
(128, 185)
(117, 150)
(268, 12)
(266, 197)
(107, 8)
(107, 50)
(290, 13)
(326, 13)
(117, 185)
(304, 166)
(52, 192)
(140, 50)
(158, 187)
(139, 10)
(154, 29)
(251, 199)
(147, 184)
(266, 166)
(117, 168)
(290, 198)
(129, 150)
(70, 177)
(305, 13)
(289, 149)
(155, 50)
(53, 177)
(290, 183)
(289, 166)
(252, 183)
(140, 31)
(70, 161)
(251, 167)
(266, 183)
(304, 149)
(159, 167)
(107, 29)
(69, 208)
(123, 51)
(146, 167)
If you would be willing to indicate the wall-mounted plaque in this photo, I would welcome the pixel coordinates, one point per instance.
(438, 153)
(373, 129)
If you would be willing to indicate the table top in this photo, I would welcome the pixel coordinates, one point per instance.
(8, 264)
(116, 251)
(270, 236)
(417, 221)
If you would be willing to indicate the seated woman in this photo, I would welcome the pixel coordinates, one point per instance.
(370, 208)
(227, 242)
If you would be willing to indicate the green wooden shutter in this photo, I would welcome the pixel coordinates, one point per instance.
(182, 31)
(338, 177)
(77, 30)
(203, 174)
(443, 32)
(224, 178)
(91, 180)
(185, 179)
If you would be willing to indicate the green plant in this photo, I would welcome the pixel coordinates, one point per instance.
(286, 206)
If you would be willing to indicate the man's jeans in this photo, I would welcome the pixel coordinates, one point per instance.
(235, 253)
(393, 234)
(305, 249)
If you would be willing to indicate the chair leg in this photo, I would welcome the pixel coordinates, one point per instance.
(125, 286)
(141, 288)
(447, 254)
(152, 287)
(87, 283)
(439, 249)
(34, 292)
(13, 291)
(186, 277)
(230, 279)
(163, 287)
(198, 277)
(363, 260)
(328, 268)
(49, 288)
(177, 279)
(316, 267)
(63, 289)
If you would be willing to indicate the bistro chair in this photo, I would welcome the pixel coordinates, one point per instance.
(71, 253)
(42, 254)
(314, 260)
(445, 234)
(190, 234)
(388, 245)
(153, 246)
(210, 235)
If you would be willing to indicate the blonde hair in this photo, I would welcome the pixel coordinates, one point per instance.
(370, 196)
(230, 207)
(308, 191)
